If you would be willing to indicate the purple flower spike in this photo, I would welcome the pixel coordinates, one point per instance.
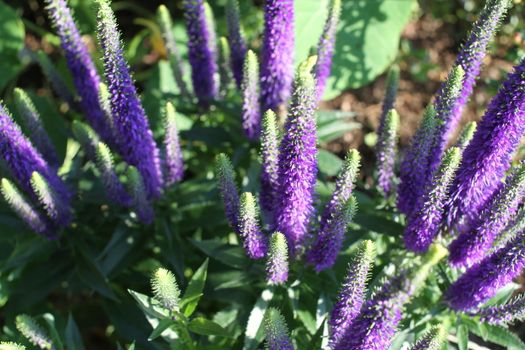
(336, 216)
(24, 209)
(510, 312)
(470, 247)
(139, 201)
(55, 79)
(115, 190)
(488, 155)
(277, 262)
(325, 47)
(424, 224)
(228, 188)
(270, 162)
(56, 208)
(202, 52)
(236, 40)
(225, 70)
(22, 159)
(135, 139)
(470, 58)
(251, 112)
(166, 27)
(80, 63)
(351, 296)
(392, 84)
(412, 173)
(172, 152)
(33, 123)
(483, 280)
(277, 336)
(466, 135)
(386, 153)
(297, 161)
(255, 242)
(277, 53)
(432, 339)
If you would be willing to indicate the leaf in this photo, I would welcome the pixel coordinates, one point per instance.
(495, 334)
(367, 41)
(147, 305)
(72, 337)
(50, 320)
(254, 335)
(379, 224)
(164, 324)
(334, 124)
(194, 290)
(231, 255)
(328, 163)
(462, 334)
(12, 35)
(204, 326)
(309, 21)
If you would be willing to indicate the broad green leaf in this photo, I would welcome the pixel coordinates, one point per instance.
(12, 35)
(495, 334)
(309, 21)
(254, 334)
(462, 334)
(194, 290)
(164, 324)
(329, 164)
(204, 326)
(72, 337)
(231, 255)
(147, 305)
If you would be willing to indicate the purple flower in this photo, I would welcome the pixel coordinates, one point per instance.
(255, 242)
(270, 162)
(135, 139)
(115, 190)
(277, 53)
(228, 188)
(351, 296)
(466, 135)
(24, 209)
(424, 224)
(325, 47)
(83, 71)
(277, 337)
(172, 152)
(386, 153)
(483, 280)
(412, 173)
(336, 216)
(277, 262)
(392, 83)
(471, 246)
(236, 40)
(201, 51)
(470, 58)
(56, 208)
(297, 161)
(432, 339)
(251, 112)
(488, 155)
(504, 314)
(139, 200)
(36, 130)
(22, 159)
(176, 63)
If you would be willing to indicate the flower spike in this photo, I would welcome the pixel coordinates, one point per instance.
(165, 289)
(55, 208)
(225, 70)
(86, 136)
(392, 84)
(513, 310)
(277, 53)
(297, 161)
(466, 135)
(228, 188)
(251, 112)
(135, 139)
(31, 330)
(236, 40)
(116, 191)
(11, 346)
(277, 335)
(270, 162)
(432, 339)
(139, 201)
(386, 152)
(277, 262)
(255, 242)
(172, 152)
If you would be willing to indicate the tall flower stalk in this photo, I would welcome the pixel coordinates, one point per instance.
(255, 242)
(228, 188)
(236, 40)
(277, 261)
(251, 111)
(135, 139)
(270, 162)
(386, 153)
(174, 162)
(277, 335)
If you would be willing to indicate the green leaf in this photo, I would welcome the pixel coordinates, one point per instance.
(73, 338)
(57, 342)
(148, 305)
(328, 163)
(495, 334)
(231, 255)
(164, 324)
(367, 41)
(204, 326)
(334, 124)
(254, 333)
(462, 334)
(194, 290)
(12, 35)
(309, 21)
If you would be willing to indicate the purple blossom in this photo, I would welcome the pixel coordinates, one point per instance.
(22, 159)
(135, 139)
(270, 162)
(392, 84)
(236, 40)
(386, 153)
(277, 53)
(277, 337)
(424, 224)
(228, 188)
(351, 295)
(336, 216)
(504, 314)
(412, 173)
(466, 135)
(255, 242)
(115, 190)
(201, 52)
(251, 112)
(277, 262)
(488, 155)
(432, 339)
(326, 45)
(471, 246)
(174, 161)
(297, 161)
(56, 208)
(80, 63)
(483, 280)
